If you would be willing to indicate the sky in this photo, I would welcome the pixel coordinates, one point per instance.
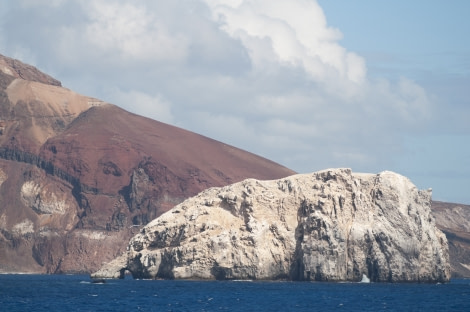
(365, 84)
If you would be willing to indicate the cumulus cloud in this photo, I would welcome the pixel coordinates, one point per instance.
(296, 33)
(267, 76)
(132, 33)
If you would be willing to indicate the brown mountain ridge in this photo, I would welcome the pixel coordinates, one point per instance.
(79, 176)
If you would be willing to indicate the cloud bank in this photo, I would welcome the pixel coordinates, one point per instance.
(267, 76)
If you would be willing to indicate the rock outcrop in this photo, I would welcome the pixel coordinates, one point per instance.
(79, 177)
(331, 225)
(454, 220)
(18, 69)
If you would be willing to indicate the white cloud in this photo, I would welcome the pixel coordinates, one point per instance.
(266, 76)
(132, 32)
(297, 33)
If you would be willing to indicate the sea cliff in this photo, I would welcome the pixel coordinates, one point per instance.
(332, 225)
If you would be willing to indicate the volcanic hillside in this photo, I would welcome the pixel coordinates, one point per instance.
(79, 176)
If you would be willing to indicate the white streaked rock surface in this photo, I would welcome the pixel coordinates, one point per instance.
(332, 225)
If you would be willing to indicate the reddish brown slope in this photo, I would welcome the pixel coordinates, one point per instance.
(110, 140)
(78, 176)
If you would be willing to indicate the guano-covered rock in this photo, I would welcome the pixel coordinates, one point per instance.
(332, 225)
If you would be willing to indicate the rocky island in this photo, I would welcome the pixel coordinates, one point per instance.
(332, 225)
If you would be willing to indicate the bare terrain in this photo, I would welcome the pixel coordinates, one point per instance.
(79, 177)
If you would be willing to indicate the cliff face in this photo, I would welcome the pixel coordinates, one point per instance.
(454, 220)
(79, 177)
(331, 225)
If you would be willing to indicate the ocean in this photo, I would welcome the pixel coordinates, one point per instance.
(78, 293)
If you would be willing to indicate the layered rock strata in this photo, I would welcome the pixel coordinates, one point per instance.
(332, 225)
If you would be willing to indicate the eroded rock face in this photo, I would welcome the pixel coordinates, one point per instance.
(331, 225)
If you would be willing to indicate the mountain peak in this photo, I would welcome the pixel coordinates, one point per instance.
(18, 69)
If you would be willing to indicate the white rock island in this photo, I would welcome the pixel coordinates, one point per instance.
(332, 225)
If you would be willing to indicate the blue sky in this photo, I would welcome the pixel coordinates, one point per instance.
(370, 85)
(425, 41)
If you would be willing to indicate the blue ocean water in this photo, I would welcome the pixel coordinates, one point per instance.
(77, 293)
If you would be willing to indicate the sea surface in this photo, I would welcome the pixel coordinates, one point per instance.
(77, 293)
